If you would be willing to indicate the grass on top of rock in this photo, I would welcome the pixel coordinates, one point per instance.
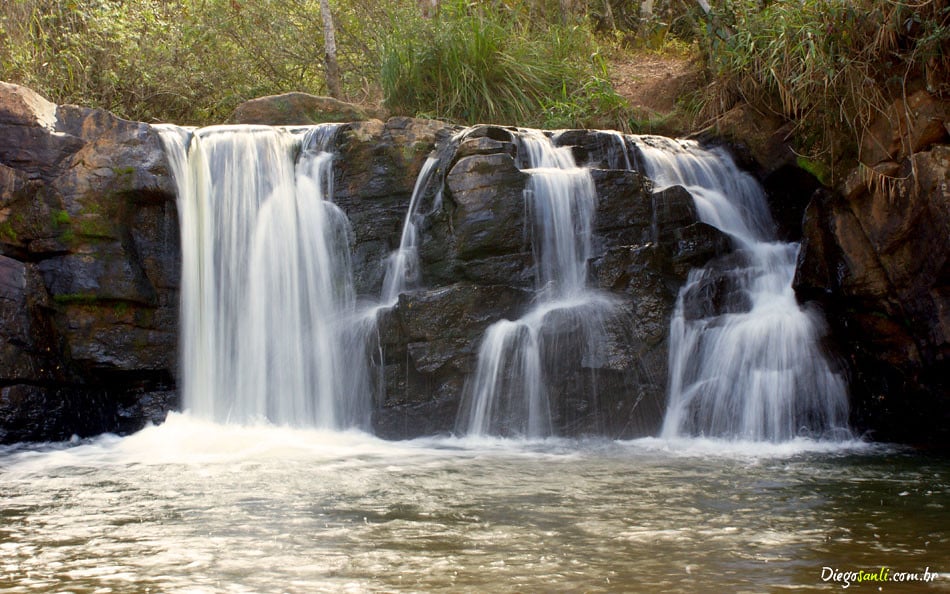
(482, 64)
(194, 61)
(830, 66)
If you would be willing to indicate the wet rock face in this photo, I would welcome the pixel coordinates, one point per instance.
(90, 264)
(374, 174)
(88, 272)
(877, 257)
(477, 268)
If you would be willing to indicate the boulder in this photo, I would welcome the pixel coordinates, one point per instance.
(909, 126)
(599, 149)
(300, 109)
(758, 139)
(430, 341)
(487, 194)
(624, 213)
(374, 175)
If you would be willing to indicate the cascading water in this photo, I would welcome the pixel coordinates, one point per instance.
(402, 268)
(266, 282)
(191, 505)
(753, 369)
(507, 394)
(269, 321)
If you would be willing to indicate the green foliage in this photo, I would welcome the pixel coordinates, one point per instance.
(95, 227)
(60, 217)
(75, 298)
(670, 22)
(188, 61)
(817, 168)
(483, 64)
(7, 232)
(193, 61)
(594, 105)
(829, 65)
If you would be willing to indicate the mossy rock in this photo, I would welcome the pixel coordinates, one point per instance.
(294, 109)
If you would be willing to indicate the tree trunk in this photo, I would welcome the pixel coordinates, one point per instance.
(609, 21)
(646, 9)
(567, 11)
(430, 8)
(329, 45)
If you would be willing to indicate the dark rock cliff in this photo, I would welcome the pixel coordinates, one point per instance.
(876, 256)
(89, 267)
(477, 268)
(89, 273)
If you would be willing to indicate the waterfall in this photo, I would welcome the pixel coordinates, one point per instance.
(507, 394)
(402, 267)
(270, 329)
(752, 368)
(267, 290)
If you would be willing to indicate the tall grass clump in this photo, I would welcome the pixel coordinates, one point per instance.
(479, 64)
(830, 66)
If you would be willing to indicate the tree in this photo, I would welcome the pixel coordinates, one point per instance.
(329, 45)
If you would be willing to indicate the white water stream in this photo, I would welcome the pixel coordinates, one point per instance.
(508, 394)
(267, 289)
(756, 370)
(226, 498)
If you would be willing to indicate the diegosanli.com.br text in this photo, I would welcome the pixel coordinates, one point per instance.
(884, 574)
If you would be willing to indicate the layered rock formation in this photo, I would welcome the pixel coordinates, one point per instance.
(89, 267)
(478, 267)
(89, 271)
(876, 255)
(90, 263)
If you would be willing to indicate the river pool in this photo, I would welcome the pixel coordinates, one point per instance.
(191, 506)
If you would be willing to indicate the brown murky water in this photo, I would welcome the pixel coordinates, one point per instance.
(194, 507)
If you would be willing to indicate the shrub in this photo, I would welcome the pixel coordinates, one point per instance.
(482, 64)
(192, 61)
(829, 65)
(187, 61)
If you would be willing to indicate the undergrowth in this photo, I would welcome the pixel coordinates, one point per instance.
(481, 64)
(194, 61)
(830, 66)
(186, 61)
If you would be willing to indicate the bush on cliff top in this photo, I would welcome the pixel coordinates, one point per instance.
(481, 63)
(830, 66)
(186, 61)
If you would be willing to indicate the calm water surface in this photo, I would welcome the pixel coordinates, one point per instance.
(195, 507)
